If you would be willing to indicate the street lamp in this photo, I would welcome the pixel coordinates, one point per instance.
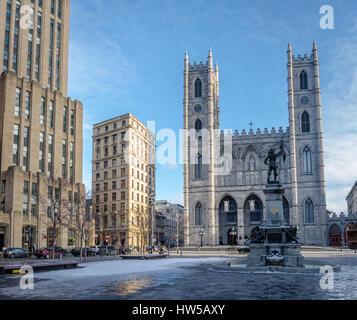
(232, 233)
(152, 209)
(201, 234)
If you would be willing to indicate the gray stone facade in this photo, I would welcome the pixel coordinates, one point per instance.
(218, 202)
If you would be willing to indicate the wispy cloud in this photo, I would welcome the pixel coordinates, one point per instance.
(340, 114)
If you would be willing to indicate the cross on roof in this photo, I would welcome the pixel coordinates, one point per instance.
(251, 125)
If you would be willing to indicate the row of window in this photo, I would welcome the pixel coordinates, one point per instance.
(114, 127)
(306, 163)
(25, 161)
(303, 84)
(43, 111)
(59, 6)
(253, 207)
(114, 139)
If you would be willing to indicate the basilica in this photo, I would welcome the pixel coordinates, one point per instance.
(222, 209)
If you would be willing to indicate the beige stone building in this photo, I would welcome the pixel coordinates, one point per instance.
(123, 182)
(40, 127)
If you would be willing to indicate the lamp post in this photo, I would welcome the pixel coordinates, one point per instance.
(232, 233)
(201, 234)
(152, 209)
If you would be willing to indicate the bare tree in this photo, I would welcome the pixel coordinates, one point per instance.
(55, 207)
(81, 219)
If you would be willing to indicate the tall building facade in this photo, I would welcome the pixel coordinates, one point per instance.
(40, 126)
(217, 203)
(173, 222)
(123, 179)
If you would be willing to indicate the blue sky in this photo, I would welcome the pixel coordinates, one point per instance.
(127, 56)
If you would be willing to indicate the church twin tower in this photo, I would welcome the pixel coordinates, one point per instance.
(217, 204)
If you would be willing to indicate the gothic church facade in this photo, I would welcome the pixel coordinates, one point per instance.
(215, 204)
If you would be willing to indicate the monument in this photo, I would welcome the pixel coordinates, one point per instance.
(275, 242)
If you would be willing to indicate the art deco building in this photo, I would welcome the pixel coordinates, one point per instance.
(40, 127)
(123, 182)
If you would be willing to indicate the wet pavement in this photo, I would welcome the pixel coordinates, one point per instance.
(181, 278)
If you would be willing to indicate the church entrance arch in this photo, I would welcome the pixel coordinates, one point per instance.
(227, 211)
(335, 237)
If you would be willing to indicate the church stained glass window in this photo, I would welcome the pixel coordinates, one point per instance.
(305, 122)
(198, 88)
(303, 80)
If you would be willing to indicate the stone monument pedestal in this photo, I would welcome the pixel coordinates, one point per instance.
(275, 242)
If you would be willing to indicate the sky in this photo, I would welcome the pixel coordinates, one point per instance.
(127, 56)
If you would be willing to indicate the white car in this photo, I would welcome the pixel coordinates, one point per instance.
(95, 249)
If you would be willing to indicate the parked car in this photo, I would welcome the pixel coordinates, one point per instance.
(244, 249)
(128, 250)
(60, 250)
(13, 253)
(88, 251)
(47, 253)
(95, 249)
(107, 251)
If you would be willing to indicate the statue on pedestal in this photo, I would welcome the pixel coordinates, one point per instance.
(272, 161)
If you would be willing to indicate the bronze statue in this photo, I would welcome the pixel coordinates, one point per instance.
(257, 235)
(291, 235)
(272, 161)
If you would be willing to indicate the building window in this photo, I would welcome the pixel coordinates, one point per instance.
(43, 111)
(303, 80)
(309, 211)
(34, 194)
(59, 9)
(51, 114)
(16, 36)
(307, 162)
(198, 125)
(15, 148)
(198, 215)
(123, 195)
(25, 205)
(254, 207)
(50, 57)
(3, 186)
(27, 105)
(7, 37)
(52, 6)
(72, 122)
(305, 122)
(17, 102)
(71, 162)
(38, 46)
(198, 88)
(29, 46)
(198, 167)
(65, 117)
(50, 156)
(64, 158)
(25, 154)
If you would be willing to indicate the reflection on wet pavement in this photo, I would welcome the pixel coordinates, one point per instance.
(129, 287)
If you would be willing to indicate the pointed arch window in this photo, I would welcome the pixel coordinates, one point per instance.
(198, 125)
(307, 162)
(198, 88)
(254, 207)
(303, 80)
(198, 167)
(198, 215)
(305, 122)
(309, 211)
